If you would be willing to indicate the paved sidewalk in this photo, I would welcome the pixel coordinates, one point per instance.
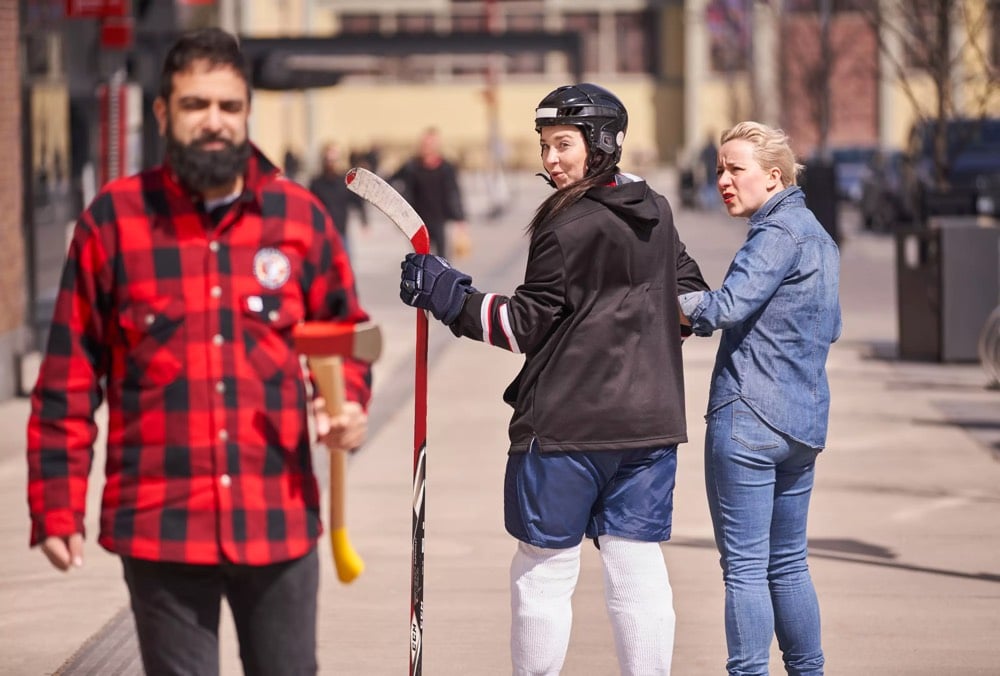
(904, 536)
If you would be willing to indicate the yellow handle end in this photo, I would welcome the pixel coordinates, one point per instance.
(348, 562)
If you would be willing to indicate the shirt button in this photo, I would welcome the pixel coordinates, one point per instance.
(217, 339)
(213, 246)
(223, 435)
(220, 387)
(273, 316)
(149, 319)
(216, 291)
(225, 480)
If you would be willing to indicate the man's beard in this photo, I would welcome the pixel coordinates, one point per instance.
(201, 169)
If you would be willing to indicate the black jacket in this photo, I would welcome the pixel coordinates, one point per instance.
(597, 318)
(333, 193)
(433, 192)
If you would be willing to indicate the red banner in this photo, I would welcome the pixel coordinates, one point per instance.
(117, 32)
(97, 9)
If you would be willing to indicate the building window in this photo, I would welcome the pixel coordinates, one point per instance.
(632, 42)
(469, 67)
(525, 62)
(359, 23)
(728, 23)
(415, 23)
(532, 21)
(470, 23)
(586, 23)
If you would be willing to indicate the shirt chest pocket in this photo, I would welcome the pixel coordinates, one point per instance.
(153, 331)
(267, 321)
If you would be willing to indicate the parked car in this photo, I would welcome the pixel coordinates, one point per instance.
(883, 205)
(972, 169)
(850, 164)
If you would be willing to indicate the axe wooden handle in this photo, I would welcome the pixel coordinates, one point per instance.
(328, 372)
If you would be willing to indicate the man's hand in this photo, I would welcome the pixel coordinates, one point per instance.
(64, 552)
(430, 283)
(461, 241)
(344, 432)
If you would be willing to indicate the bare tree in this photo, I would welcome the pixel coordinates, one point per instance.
(809, 61)
(827, 51)
(940, 41)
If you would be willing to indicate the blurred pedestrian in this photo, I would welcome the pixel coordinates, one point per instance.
(430, 184)
(329, 187)
(179, 295)
(599, 402)
(707, 156)
(779, 311)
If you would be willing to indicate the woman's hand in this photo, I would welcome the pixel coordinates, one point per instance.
(430, 283)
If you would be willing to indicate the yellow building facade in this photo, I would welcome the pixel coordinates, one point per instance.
(704, 65)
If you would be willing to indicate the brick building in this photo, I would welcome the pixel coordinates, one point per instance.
(12, 270)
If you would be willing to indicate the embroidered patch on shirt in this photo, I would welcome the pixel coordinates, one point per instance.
(271, 268)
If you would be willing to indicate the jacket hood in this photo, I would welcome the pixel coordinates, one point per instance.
(632, 201)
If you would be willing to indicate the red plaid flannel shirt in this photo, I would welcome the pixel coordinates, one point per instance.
(185, 326)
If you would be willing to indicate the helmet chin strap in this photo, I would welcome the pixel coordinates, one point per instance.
(547, 178)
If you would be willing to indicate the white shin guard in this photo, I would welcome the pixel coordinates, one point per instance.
(542, 582)
(640, 605)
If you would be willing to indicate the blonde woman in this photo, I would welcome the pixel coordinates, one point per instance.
(769, 401)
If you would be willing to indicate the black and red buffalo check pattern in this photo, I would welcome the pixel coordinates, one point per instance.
(185, 326)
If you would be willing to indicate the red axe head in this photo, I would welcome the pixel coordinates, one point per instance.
(339, 339)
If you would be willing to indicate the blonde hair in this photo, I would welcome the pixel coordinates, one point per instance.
(770, 148)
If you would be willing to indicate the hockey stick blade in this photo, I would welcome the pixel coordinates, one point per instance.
(387, 199)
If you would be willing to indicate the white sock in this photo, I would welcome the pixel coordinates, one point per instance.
(541, 591)
(640, 605)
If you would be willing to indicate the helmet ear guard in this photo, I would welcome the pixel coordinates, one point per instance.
(598, 113)
(611, 143)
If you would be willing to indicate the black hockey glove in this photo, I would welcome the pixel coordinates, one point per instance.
(430, 283)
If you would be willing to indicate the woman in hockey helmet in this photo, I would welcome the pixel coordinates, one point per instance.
(602, 120)
(596, 111)
(599, 402)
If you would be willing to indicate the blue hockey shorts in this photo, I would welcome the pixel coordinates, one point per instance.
(553, 500)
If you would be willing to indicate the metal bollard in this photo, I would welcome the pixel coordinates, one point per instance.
(989, 346)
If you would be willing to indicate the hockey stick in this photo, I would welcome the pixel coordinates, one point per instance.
(386, 199)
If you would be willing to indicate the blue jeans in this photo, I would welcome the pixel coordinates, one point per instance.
(759, 482)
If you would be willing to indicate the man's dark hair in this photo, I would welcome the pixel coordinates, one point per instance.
(213, 45)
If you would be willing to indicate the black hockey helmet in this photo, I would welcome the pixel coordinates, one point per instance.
(599, 114)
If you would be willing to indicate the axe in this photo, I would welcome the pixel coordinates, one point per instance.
(325, 344)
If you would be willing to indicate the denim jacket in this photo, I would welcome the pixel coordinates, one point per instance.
(779, 311)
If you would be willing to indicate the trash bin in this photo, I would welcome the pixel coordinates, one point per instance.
(947, 284)
(819, 183)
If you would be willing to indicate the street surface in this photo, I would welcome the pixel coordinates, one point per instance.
(904, 530)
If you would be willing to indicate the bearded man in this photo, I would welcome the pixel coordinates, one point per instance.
(181, 288)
